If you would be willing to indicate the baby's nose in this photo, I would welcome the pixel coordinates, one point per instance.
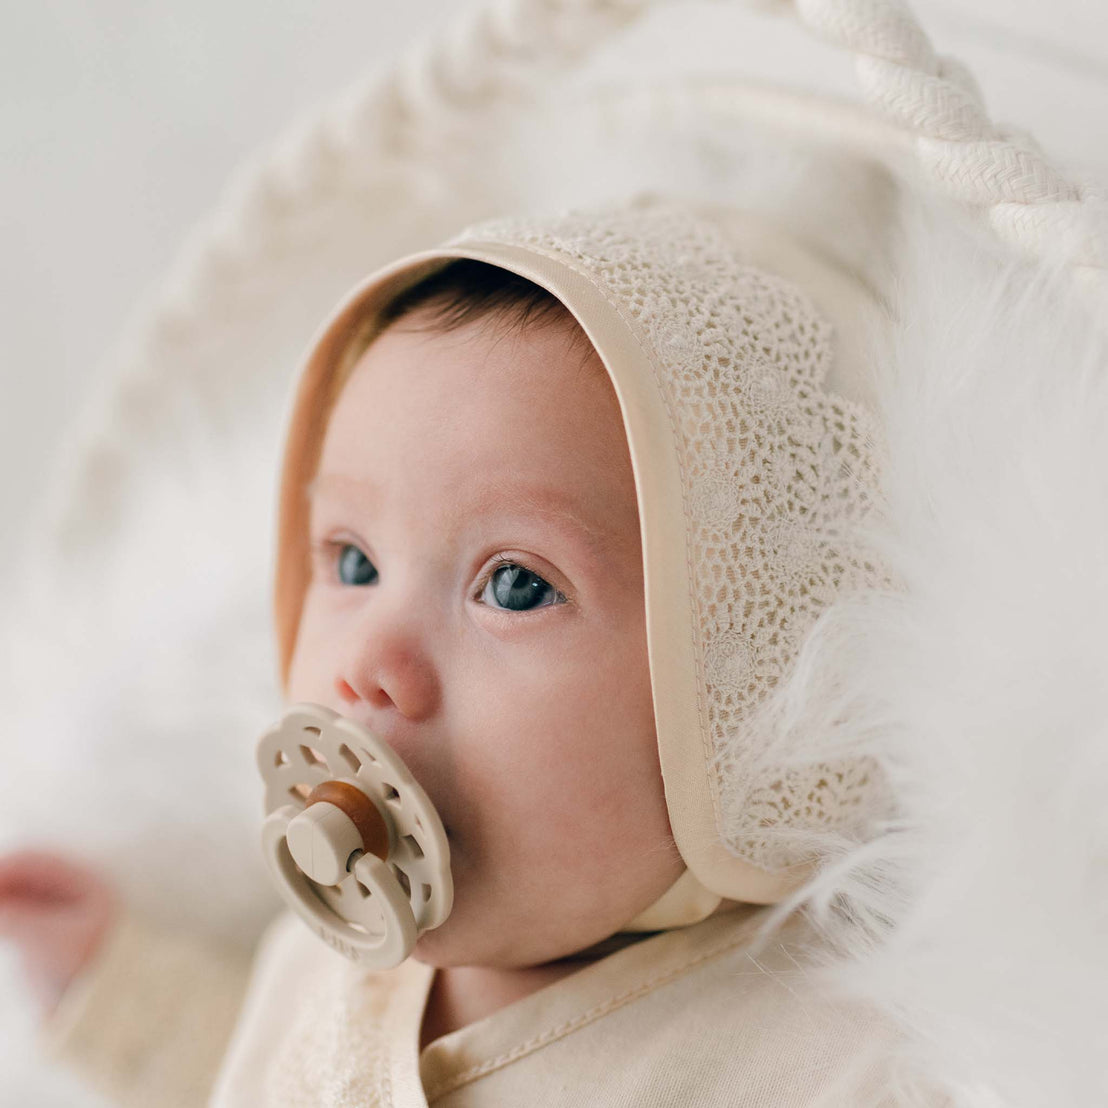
(388, 671)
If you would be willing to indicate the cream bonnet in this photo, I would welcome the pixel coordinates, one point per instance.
(736, 356)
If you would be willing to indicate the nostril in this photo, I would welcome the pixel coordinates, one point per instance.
(344, 690)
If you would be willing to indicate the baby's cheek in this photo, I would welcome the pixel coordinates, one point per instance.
(565, 825)
(308, 668)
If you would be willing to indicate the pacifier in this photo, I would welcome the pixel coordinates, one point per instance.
(354, 845)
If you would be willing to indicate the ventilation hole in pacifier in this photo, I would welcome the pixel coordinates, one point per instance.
(312, 756)
(425, 893)
(281, 759)
(402, 877)
(389, 792)
(413, 846)
(350, 758)
(299, 792)
(310, 729)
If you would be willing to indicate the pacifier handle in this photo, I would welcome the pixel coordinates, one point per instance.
(351, 840)
(338, 820)
(384, 950)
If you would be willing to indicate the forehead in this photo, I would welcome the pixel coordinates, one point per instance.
(480, 385)
(478, 411)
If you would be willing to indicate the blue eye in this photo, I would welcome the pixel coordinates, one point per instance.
(354, 567)
(510, 587)
(516, 589)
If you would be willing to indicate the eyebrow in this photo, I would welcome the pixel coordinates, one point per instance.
(537, 500)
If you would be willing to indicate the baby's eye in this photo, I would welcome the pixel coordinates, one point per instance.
(514, 588)
(354, 567)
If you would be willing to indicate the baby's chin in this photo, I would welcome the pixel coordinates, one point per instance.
(448, 946)
(454, 944)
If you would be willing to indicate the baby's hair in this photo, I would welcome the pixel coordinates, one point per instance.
(464, 291)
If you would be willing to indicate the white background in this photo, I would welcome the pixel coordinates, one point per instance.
(119, 122)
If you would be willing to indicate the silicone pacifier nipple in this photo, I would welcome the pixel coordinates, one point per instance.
(351, 839)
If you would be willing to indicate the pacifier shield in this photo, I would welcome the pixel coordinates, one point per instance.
(351, 840)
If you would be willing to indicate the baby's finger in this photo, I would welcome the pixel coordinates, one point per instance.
(19, 920)
(42, 874)
(26, 867)
(57, 937)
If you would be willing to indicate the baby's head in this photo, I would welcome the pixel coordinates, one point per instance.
(476, 599)
(555, 527)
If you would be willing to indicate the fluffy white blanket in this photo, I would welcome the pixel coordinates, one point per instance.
(979, 919)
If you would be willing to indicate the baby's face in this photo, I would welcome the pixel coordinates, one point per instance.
(477, 601)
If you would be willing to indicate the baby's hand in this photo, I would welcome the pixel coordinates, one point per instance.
(57, 912)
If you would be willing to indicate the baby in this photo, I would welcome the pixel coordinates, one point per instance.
(476, 599)
(560, 500)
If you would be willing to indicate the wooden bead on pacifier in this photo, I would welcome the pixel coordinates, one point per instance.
(352, 841)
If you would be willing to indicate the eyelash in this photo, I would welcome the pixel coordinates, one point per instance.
(328, 550)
